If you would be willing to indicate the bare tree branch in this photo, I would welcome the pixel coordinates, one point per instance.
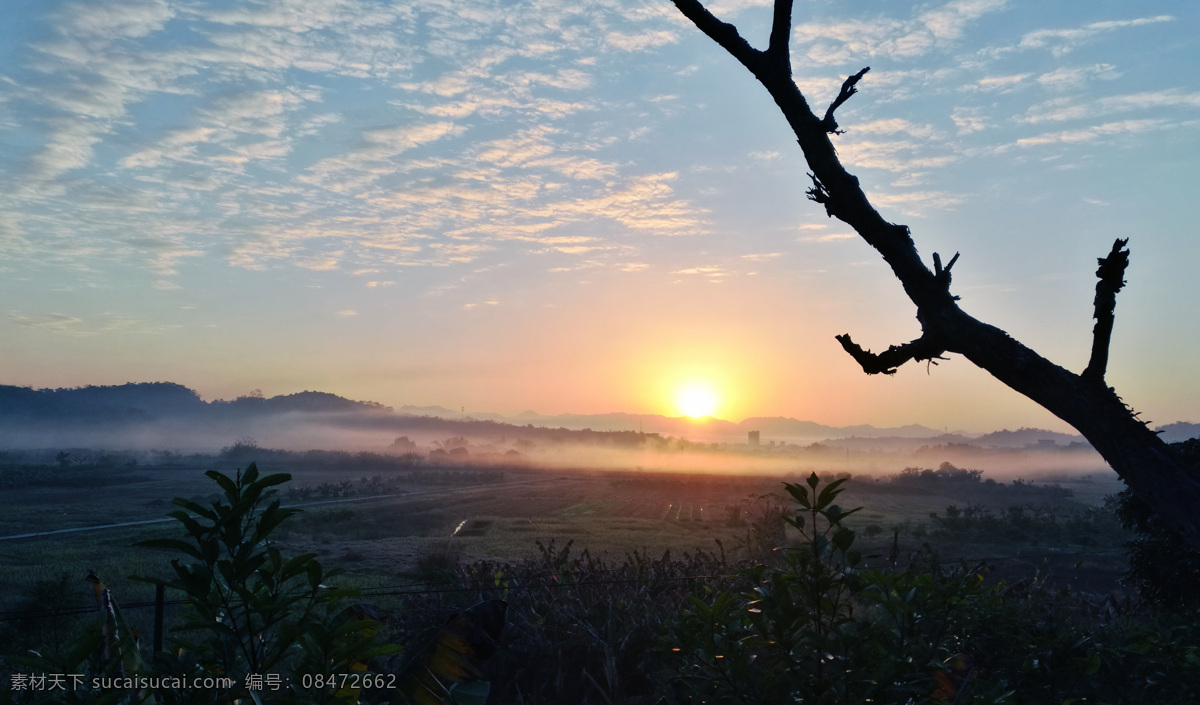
(923, 348)
(1111, 275)
(942, 275)
(722, 33)
(848, 89)
(1146, 464)
(781, 30)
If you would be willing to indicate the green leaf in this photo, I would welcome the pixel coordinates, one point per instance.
(227, 484)
(799, 494)
(830, 492)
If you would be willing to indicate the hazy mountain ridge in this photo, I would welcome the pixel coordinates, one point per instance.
(167, 402)
(1178, 431)
(1023, 437)
(159, 399)
(137, 400)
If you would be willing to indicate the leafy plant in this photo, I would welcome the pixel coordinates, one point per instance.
(252, 612)
(819, 629)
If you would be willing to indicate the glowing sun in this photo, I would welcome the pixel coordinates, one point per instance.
(697, 400)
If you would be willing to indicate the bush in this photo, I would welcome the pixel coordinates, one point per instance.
(819, 629)
(1163, 567)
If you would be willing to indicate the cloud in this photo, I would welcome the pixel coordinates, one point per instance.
(914, 151)
(1064, 109)
(12, 238)
(970, 120)
(128, 18)
(712, 274)
(838, 42)
(831, 237)
(1073, 77)
(162, 254)
(892, 126)
(331, 135)
(178, 144)
(1063, 41)
(69, 146)
(320, 263)
(74, 326)
(998, 84)
(640, 42)
(1088, 134)
(897, 156)
(917, 203)
(644, 203)
(475, 304)
(362, 166)
(57, 322)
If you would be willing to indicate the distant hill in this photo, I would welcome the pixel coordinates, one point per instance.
(1178, 431)
(779, 426)
(131, 405)
(304, 402)
(1024, 437)
(125, 401)
(157, 400)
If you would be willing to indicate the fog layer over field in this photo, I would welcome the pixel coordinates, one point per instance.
(165, 420)
(434, 442)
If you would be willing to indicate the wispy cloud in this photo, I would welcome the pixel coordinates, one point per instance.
(57, 322)
(918, 203)
(75, 326)
(1063, 109)
(830, 237)
(1073, 77)
(970, 120)
(1063, 41)
(640, 42)
(1088, 134)
(856, 39)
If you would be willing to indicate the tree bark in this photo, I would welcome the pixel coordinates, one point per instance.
(1084, 401)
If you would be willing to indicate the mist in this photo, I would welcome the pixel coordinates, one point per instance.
(437, 442)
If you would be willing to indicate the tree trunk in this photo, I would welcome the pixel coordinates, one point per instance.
(1084, 401)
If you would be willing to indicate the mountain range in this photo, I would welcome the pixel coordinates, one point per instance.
(139, 403)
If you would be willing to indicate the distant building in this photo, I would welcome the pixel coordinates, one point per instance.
(752, 438)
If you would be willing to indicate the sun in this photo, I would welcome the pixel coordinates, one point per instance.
(697, 399)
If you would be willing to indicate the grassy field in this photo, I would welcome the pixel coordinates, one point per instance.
(399, 526)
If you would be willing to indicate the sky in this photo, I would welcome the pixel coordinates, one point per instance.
(584, 207)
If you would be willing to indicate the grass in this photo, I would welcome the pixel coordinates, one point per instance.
(411, 536)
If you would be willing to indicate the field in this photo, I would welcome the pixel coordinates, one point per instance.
(397, 527)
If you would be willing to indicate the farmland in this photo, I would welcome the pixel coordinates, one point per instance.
(389, 525)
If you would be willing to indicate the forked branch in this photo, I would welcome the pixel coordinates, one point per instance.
(1133, 450)
(848, 89)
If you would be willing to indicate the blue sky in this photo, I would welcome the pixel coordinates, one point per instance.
(579, 207)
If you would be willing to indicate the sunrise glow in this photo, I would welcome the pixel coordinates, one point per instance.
(697, 400)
